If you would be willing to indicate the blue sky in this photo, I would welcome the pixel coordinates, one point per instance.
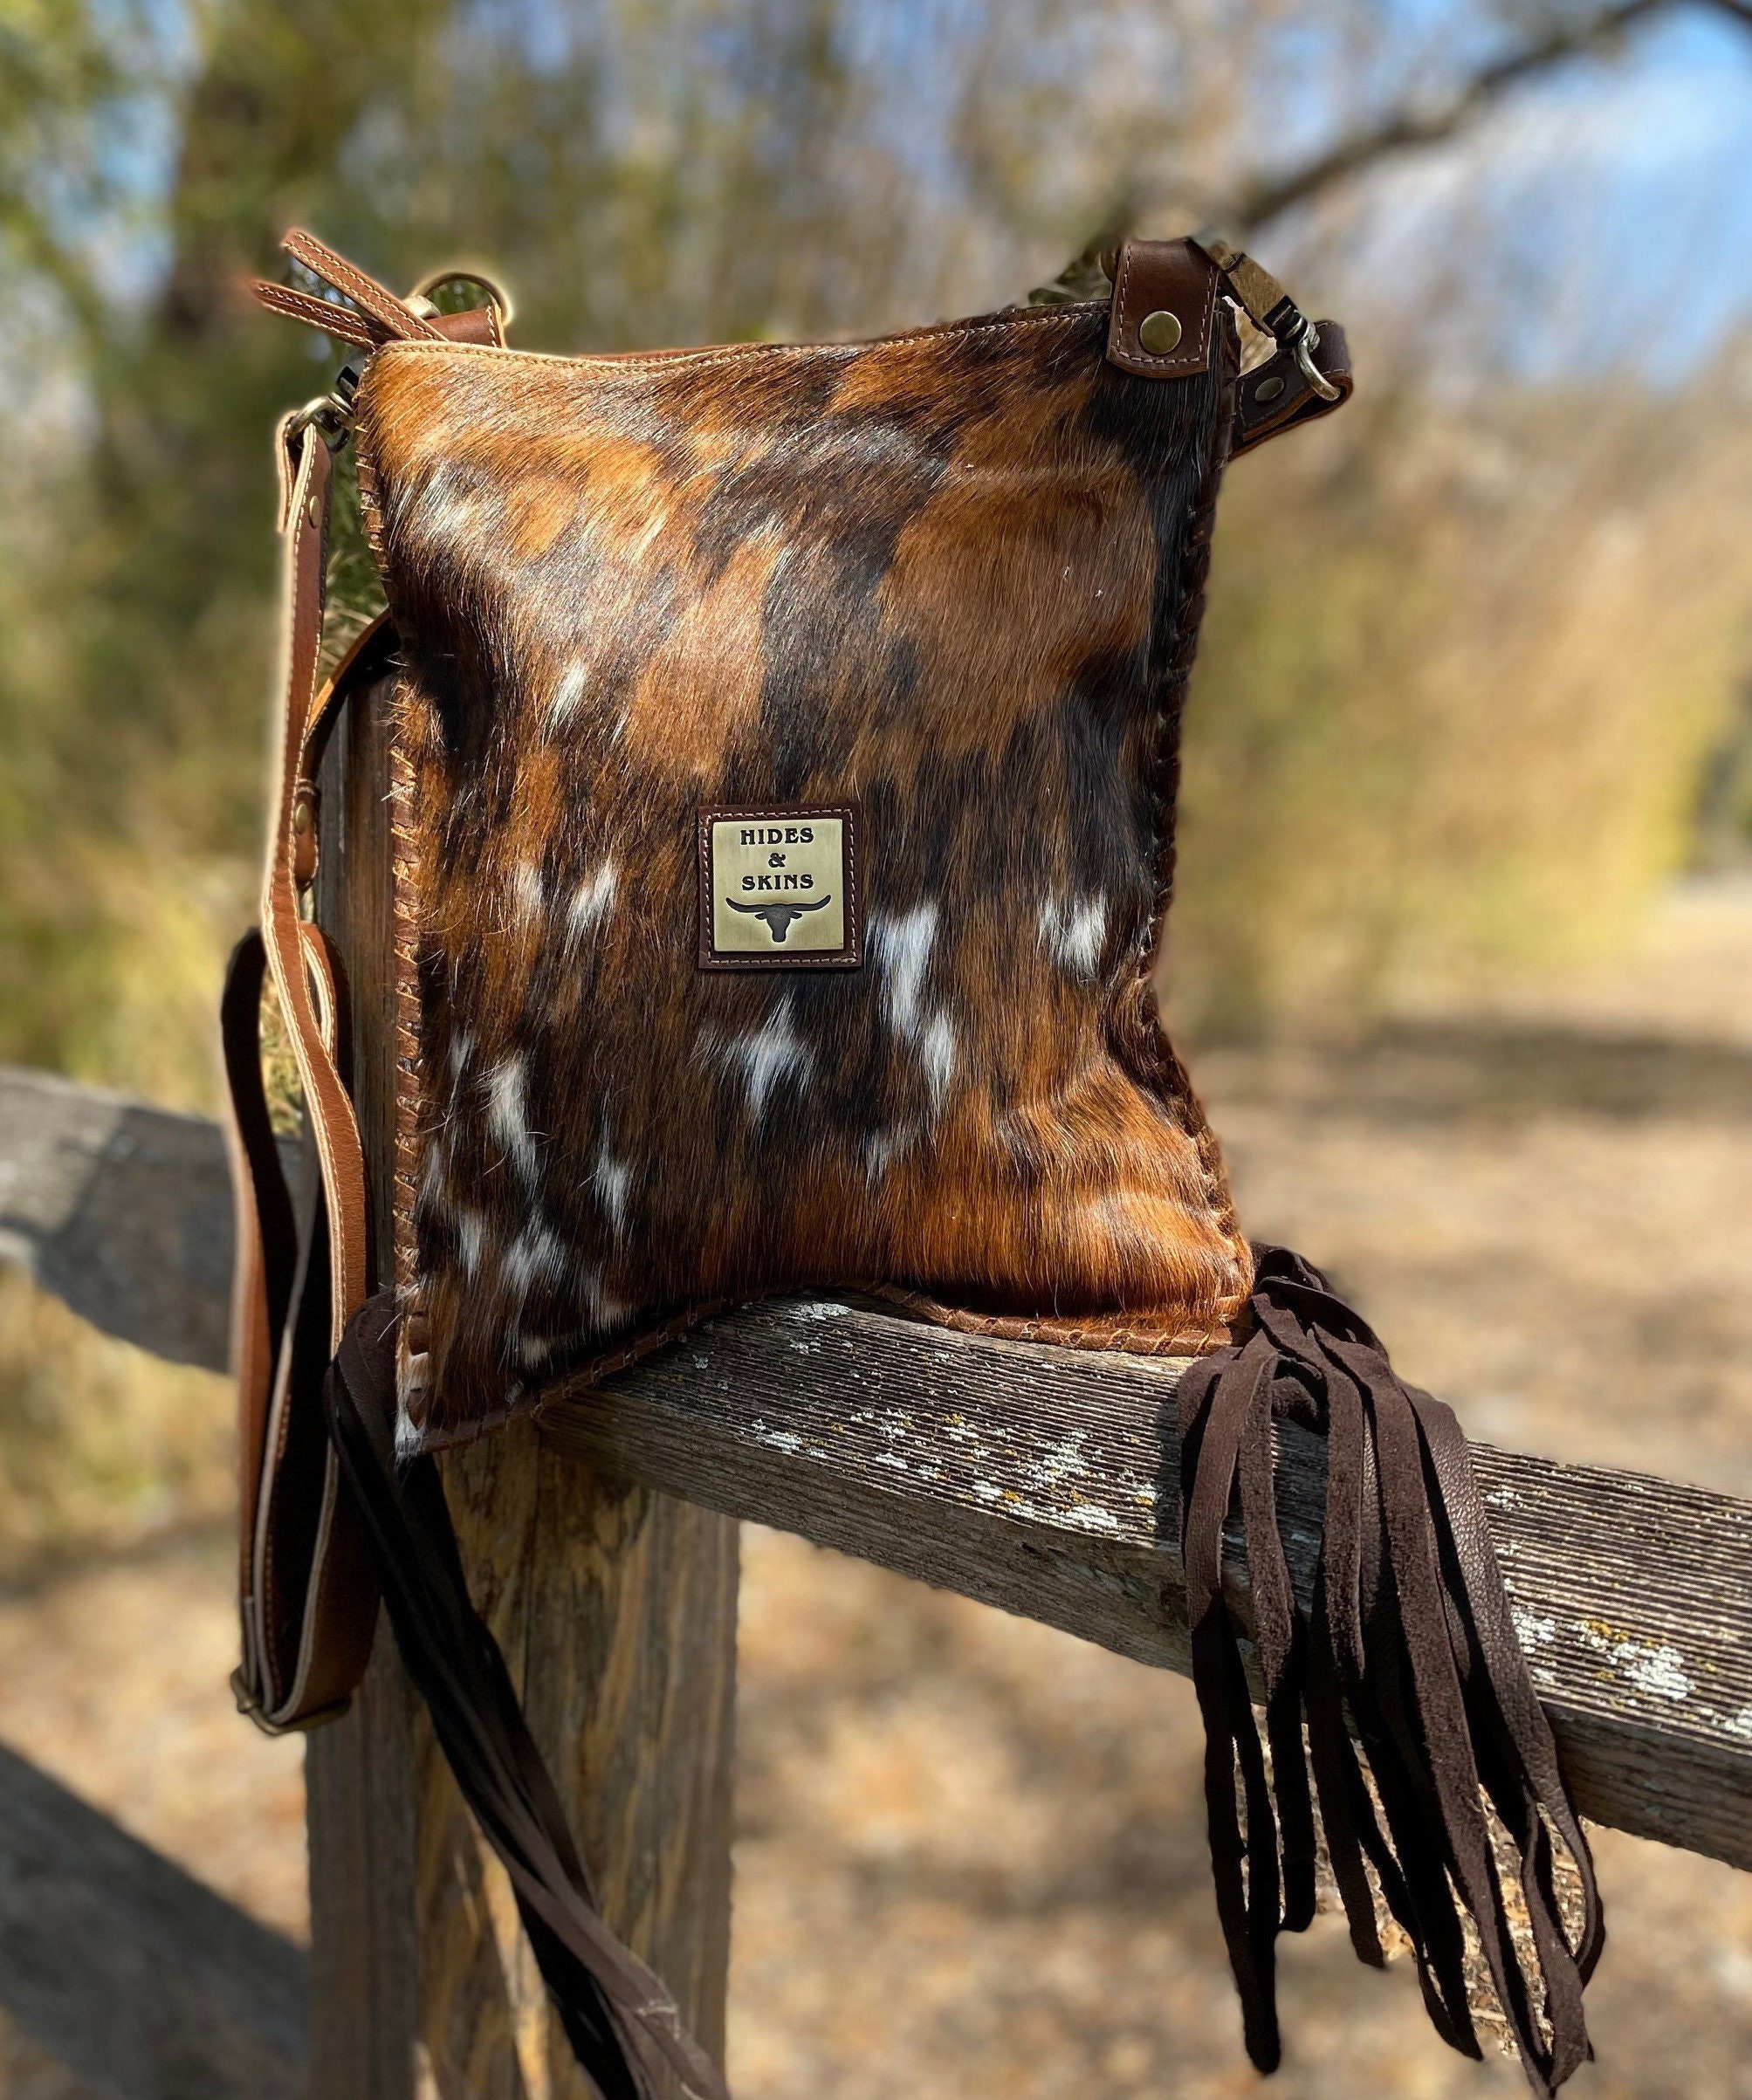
(1611, 201)
(1603, 213)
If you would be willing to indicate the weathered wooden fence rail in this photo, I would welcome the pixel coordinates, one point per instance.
(144, 1984)
(1041, 1480)
(1036, 1479)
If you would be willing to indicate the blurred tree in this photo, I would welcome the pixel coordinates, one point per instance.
(706, 169)
(1470, 646)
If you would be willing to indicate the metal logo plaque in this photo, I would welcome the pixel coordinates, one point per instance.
(779, 888)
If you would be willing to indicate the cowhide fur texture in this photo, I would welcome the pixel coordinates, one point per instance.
(954, 576)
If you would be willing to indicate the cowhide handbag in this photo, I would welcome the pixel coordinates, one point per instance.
(784, 781)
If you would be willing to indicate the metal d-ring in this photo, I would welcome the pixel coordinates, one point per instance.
(496, 293)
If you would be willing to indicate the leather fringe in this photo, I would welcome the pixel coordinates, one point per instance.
(1406, 1668)
(623, 2025)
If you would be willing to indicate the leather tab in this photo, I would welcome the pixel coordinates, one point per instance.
(479, 325)
(1277, 394)
(1167, 277)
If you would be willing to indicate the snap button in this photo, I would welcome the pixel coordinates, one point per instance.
(1158, 333)
(1268, 389)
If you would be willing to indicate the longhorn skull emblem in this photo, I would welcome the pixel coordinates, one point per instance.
(778, 917)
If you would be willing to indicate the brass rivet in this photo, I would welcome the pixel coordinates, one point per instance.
(303, 816)
(311, 509)
(1159, 331)
(1268, 389)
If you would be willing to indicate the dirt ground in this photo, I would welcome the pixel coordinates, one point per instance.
(971, 1857)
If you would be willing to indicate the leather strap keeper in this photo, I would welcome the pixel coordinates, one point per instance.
(1169, 278)
(1277, 394)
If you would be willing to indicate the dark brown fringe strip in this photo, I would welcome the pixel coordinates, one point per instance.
(1406, 1662)
(623, 2025)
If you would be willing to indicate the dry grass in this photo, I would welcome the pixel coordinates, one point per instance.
(101, 1447)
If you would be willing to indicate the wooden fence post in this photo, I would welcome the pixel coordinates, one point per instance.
(616, 1606)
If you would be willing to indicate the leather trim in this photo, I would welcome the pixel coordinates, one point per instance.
(474, 325)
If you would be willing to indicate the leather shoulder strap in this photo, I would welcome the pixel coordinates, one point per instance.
(331, 1518)
(307, 1598)
(307, 1602)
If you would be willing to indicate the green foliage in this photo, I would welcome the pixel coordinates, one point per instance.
(1463, 672)
(700, 171)
(98, 1442)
